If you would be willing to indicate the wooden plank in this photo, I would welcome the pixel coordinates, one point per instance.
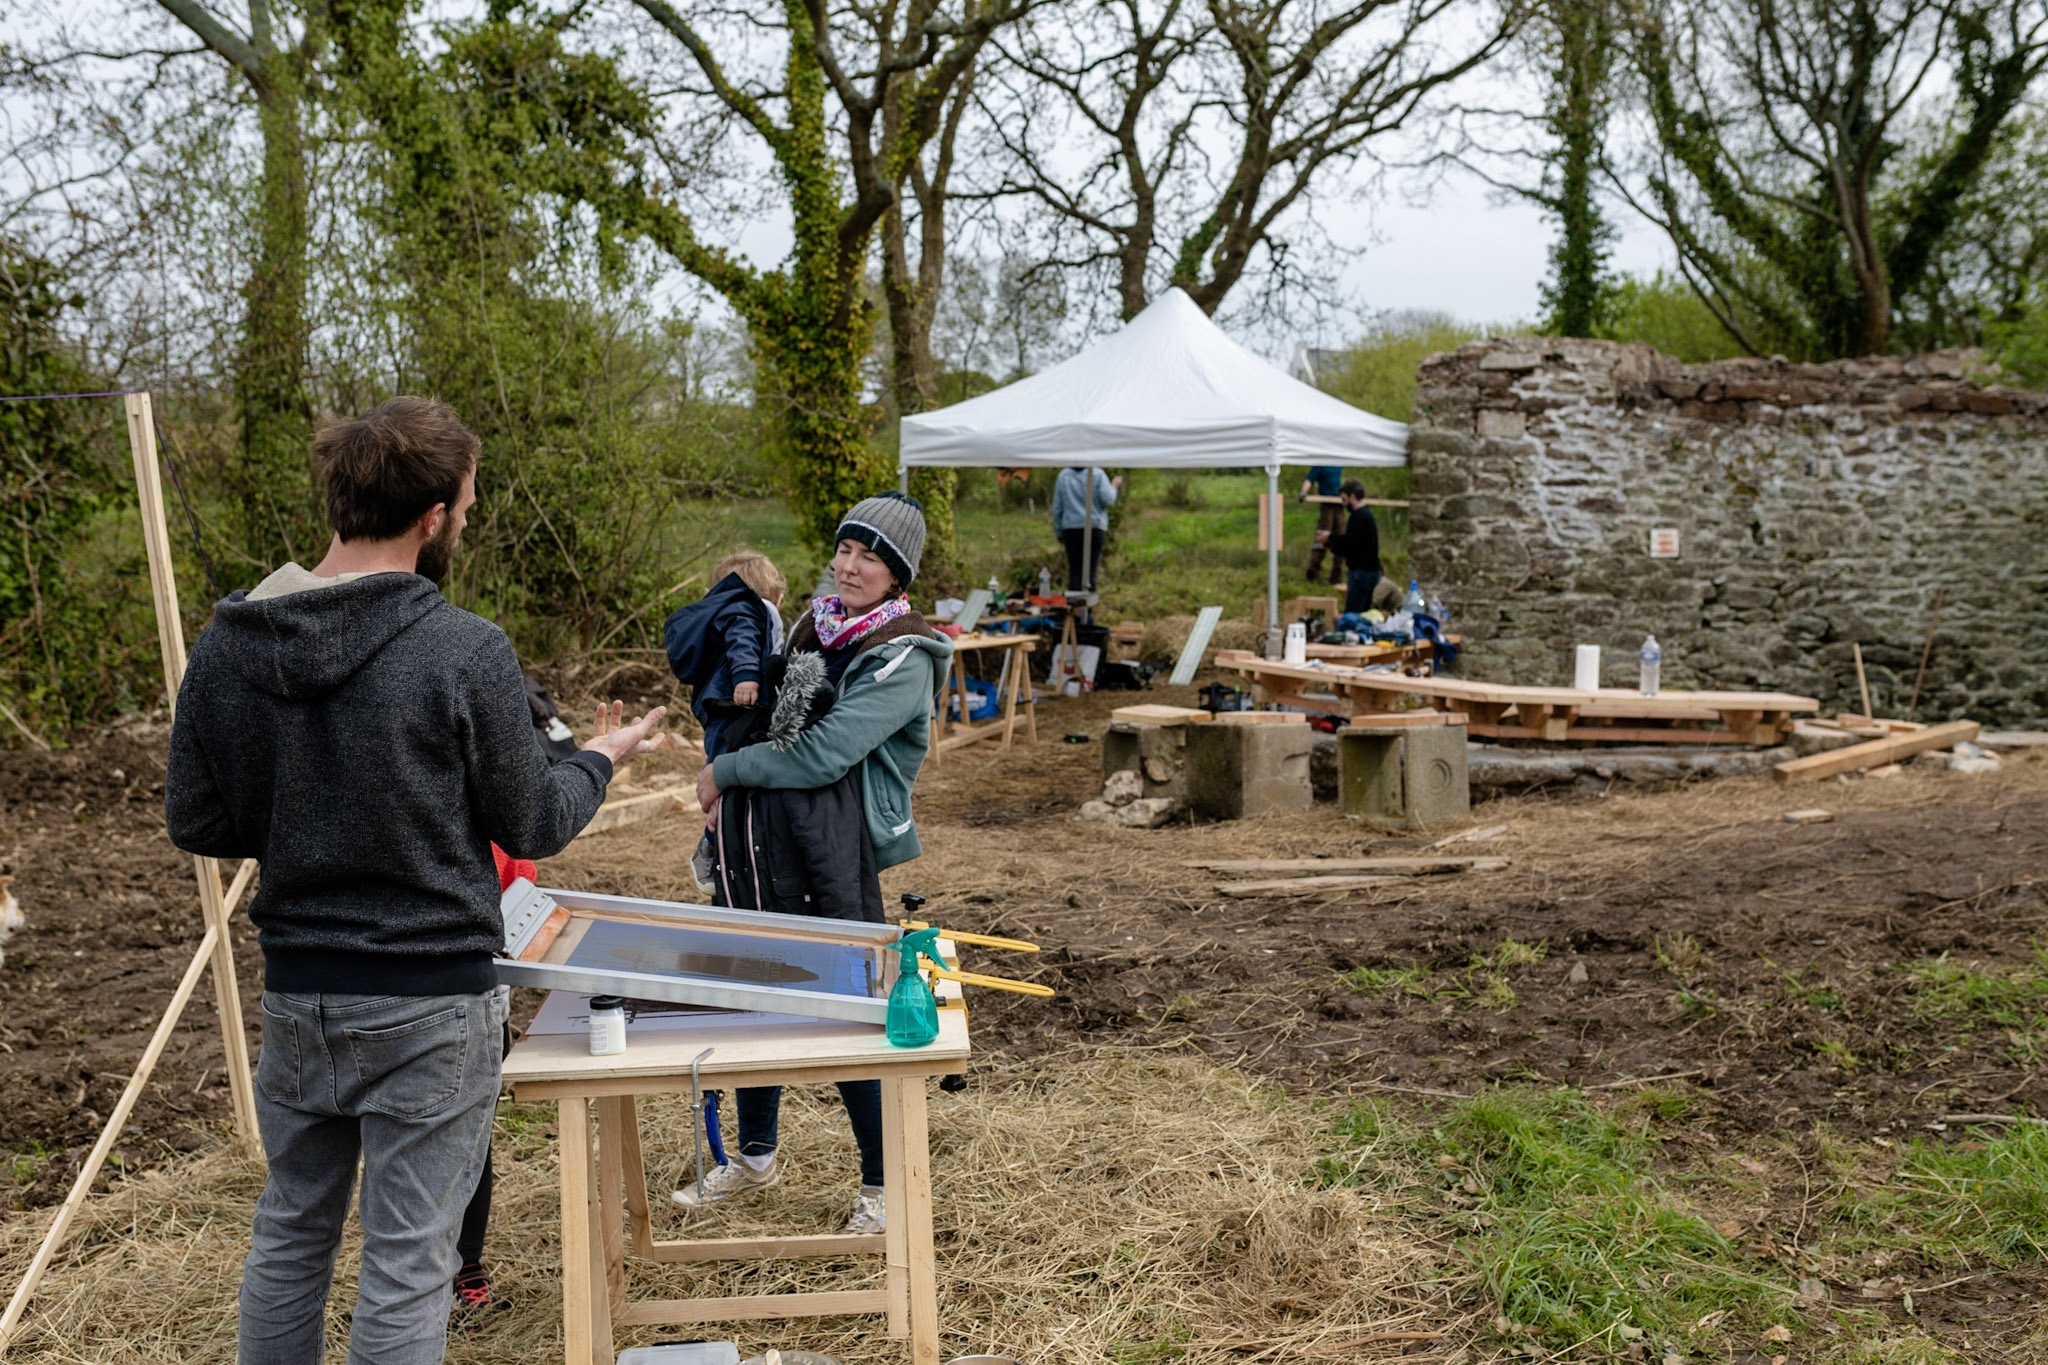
(764, 1248)
(1878, 752)
(1152, 713)
(1302, 886)
(1447, 863)
(1190, 659)
(170, 633)
(612, 1119)
(1259, 718)
(1401, 720)
(1363, 502)
(580, 1305)
(751, 1308)
(634, 809)
(1896, 727)
(913, 1175)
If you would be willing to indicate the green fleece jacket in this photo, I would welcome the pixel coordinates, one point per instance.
(880, 722)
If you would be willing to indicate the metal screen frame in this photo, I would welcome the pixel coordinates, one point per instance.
(527, 908)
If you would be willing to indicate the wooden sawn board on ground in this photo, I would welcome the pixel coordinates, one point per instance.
(1556, 714)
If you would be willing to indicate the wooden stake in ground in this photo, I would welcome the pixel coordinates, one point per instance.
(1925, 651)
(1863, 683)
(170, 634)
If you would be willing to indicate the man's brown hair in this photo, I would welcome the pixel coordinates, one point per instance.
(385, 469)
(756, 570)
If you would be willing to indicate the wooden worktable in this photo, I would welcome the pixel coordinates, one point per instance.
(1011, 684)
(1557, 714)
(604, 1185)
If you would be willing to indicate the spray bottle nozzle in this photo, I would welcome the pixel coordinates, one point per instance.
(925, 941)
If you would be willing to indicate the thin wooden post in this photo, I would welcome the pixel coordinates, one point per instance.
(170, 634)
(1862, 683)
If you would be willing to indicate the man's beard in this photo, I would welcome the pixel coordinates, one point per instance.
(437, 554)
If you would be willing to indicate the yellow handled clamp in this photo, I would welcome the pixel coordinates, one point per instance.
(1015, 945)
(994, 983)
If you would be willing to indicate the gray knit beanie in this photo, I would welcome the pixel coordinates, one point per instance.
(892, 525)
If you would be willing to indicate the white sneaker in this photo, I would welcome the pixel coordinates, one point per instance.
(870, 1215)
(728, 1181)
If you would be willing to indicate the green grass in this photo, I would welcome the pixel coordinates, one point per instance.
(1395, 981)
(2013, 1000)
(1579, 1232)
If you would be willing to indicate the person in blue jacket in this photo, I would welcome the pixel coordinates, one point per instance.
(719, 644)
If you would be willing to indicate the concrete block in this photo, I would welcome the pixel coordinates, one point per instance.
(1406, 778)
(1157, 753)
(1239, 770)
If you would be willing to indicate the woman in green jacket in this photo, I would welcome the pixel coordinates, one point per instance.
(885, 664)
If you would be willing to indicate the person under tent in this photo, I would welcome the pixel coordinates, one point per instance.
(1071, 512)
(1359, 547)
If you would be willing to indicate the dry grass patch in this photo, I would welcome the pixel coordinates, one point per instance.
(1127, 1208)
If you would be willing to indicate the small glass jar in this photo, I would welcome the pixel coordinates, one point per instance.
(607, 1025)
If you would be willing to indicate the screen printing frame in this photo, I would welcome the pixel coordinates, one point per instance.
(535, 920)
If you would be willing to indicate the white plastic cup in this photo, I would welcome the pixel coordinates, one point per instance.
(1586, 669)
(1296, 649)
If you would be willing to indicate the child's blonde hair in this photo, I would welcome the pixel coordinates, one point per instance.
(756, 570)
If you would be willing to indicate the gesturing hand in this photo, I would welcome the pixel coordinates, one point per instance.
(616, 739)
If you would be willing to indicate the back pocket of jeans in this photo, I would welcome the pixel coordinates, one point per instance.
(413, 1069)
(277, 1061)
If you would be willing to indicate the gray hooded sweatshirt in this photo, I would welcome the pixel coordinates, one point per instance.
(367, 742)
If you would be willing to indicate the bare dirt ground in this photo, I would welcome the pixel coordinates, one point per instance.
(1692, 933)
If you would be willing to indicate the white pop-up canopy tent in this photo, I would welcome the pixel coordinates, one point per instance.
(1171, 391)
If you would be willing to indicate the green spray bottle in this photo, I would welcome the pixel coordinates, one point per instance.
(913, 1009)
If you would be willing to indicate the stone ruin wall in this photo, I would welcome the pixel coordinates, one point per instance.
(1816, 506)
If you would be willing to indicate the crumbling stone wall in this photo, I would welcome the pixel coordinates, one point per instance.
(1816, 506)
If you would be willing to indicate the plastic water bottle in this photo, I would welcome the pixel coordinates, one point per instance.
(995, 585)
(1044, 581)
(1412, 601)
(1436, 609)
(1653, 662)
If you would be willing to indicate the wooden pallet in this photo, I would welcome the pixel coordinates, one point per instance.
(1556, 714)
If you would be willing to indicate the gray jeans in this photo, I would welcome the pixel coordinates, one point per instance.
(407, 1083)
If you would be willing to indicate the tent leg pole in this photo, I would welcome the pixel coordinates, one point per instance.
(903, 480)
(1273, 559)
(1088, 538)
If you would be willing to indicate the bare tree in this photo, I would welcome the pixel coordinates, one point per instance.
(1778, 126)
(847, 106)
(1171, 142)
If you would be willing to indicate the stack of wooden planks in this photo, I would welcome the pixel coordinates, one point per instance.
(1890, 741)
(1555, 714)
(1313, 876)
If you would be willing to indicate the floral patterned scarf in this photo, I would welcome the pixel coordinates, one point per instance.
(836, 629)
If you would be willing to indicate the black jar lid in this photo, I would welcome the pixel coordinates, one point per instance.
(607, 1002)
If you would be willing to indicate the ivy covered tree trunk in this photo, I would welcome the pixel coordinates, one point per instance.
(812, 319)
(272, 478)
(1576, 293)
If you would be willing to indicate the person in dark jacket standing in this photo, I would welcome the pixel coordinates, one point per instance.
(1326, 481)
(1359, 547)
(368, 743)
(883, 665)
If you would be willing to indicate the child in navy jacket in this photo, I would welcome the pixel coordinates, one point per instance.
(720, 646)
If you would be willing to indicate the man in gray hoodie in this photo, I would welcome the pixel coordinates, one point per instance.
(368, 742)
